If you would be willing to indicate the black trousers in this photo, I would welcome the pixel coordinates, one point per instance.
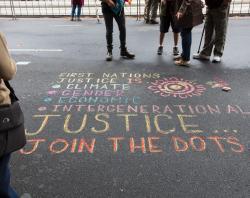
(108, 15)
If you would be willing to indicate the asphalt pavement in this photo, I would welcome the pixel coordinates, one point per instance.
(141, 128)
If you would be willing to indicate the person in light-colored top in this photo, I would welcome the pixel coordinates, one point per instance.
(7, 72)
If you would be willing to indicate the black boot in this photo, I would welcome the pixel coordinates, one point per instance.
(109, 56)
(126, 54)
(154, 22)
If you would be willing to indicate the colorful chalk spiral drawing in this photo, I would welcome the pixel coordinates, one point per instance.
(176, 87)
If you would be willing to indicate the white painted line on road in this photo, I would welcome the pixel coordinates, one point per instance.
(23, 62)
(66, 25)
(36, 50)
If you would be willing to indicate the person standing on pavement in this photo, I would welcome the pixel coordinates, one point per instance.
(150, 11)
(7, 72)
(76, 4)
(114, 9)
(189, 15)
(167, 18)
(215, 30)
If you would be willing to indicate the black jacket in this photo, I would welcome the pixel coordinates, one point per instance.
(214, 3)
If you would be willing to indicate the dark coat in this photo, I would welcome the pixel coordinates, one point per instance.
(213, 4)
(77, 2)
(192, 13)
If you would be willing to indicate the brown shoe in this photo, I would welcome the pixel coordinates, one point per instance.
(182, 62)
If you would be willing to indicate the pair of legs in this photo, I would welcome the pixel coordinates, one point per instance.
(150, 11)
(79, 8)
(175, 48)
(166, 22)
(109, 15)
(176, 38)
(215, 31)
(167, 19)
(186, 42)
(5, 189)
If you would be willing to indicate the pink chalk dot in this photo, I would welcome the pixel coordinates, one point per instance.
(52, 92)
(42, 108)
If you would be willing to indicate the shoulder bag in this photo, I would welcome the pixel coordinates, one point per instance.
(12, 132)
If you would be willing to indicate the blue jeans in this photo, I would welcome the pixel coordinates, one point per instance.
(186, 36)
(74, 9)
(5, 189)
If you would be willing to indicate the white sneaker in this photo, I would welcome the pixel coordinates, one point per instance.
(201, 57)
(216, 59)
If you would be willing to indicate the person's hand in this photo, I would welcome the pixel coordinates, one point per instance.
(163, 2)
(110, 3)
(179, 15)
(129, 2)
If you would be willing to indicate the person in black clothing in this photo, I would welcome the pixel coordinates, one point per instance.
(215, 30)
(109, 14)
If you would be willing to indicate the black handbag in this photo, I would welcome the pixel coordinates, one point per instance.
(12, 132)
